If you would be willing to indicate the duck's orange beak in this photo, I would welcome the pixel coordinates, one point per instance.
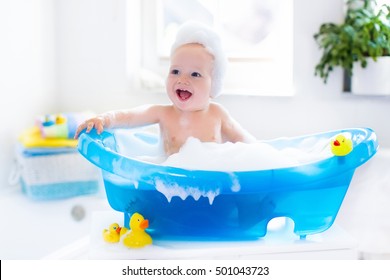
(144, 224)
(118, 229)
(336, 143)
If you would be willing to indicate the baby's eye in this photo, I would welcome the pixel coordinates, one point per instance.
(174, 71)
(196, 74)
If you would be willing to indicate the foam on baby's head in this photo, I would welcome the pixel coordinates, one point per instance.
(194, 32)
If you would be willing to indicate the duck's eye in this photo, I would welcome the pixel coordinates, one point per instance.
(114, 227)
(196, 74)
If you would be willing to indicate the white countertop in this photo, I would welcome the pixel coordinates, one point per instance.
(279, 243)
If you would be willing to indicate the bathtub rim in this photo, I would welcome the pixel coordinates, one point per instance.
(369, 146)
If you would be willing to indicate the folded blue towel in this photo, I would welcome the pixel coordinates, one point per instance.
(32, 152)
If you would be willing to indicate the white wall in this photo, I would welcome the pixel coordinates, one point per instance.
(27, 70)
(92, 53)
(93, 75)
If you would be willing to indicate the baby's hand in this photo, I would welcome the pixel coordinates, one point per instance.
(97, 123)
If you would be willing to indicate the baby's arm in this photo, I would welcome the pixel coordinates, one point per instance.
(138, 116)
(232, 131)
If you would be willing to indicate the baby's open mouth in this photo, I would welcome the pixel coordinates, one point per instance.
(183, 94)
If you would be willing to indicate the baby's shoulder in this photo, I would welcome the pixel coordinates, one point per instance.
(217, 109)
(164, 111)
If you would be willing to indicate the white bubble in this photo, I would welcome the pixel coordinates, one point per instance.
(243, 157)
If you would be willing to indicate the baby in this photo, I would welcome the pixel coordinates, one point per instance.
(197, 67)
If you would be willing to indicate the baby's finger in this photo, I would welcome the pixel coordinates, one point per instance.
(89, 126)
(79, 129)
(99, 128)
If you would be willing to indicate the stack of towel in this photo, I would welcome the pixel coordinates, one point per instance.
(48, 165)
(52, 134)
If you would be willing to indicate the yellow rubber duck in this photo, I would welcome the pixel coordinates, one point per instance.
(137, 237)
(113, 233)
(341, 145)
(60, 119)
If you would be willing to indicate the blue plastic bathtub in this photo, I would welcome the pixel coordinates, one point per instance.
(309, 194)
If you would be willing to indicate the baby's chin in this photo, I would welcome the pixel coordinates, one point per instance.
(190, 106)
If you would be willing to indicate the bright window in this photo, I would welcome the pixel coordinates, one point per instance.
(257, 36)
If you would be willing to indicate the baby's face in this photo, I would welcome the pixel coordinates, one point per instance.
(189, 80)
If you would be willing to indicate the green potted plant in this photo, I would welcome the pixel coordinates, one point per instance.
(363, 35)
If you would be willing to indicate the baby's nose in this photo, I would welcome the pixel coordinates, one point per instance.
(183, 80)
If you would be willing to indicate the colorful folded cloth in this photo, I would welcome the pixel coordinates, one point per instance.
(32, 138)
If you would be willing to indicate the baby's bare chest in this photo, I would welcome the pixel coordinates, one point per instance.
(176, 133)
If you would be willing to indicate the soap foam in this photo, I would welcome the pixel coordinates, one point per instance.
(172, 190)
(232, 157)
(197, 155)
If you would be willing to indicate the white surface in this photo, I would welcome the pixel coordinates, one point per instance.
(277, 244)
(33, 229)
(365, 212)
